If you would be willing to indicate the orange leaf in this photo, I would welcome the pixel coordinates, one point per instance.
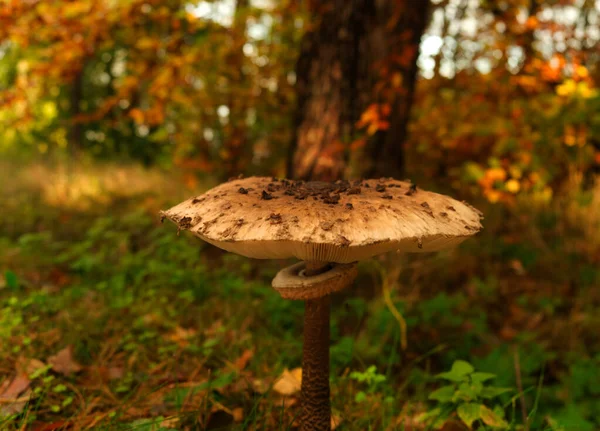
(289, 382)
(242, 361)
(358, 144)
(137, 115)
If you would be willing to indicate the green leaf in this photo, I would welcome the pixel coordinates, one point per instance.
(469, 413)
(11, 280)
(436, 417)
(59, 388)
(492, 392)
(219, 382)
(491, 418)
(458, 372)
(473, 172)
(479, 377)
(443, 394)
(360, 397)
(499, 411)
(466, 392)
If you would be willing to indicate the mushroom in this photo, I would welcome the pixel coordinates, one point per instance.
(329, 226)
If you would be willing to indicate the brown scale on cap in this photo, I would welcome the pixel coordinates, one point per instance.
(427, 208)
(185, 222)
(343, 241)
(331, 199)
(411, 190)
(280, 222)
(275, 218)
(326, 225)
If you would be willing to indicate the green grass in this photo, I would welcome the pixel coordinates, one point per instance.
(159, 322)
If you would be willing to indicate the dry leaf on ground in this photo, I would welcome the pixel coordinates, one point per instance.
(28, 366)
(181, 335)
(15, 395)
(238, 414)
(116, 373)
(172, 422)
(289, 382)
(241, 362)
(336, 420)
(64, 363)
(54, 426)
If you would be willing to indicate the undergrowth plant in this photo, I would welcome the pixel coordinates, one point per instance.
(371, 378)
(466, 395)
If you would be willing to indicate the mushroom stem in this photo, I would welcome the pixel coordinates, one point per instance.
(316, 406)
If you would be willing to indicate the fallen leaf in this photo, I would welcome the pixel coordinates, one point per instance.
(63, 362)
(297, 373)
(260, 386)
(52, 426)
(181, 335)
(241, 362)
(15, 396)
(172, 422)
(27, 366)
(336, 420)
(50, 337)
(18, 385)
(115, 373)
(289, 382)
(289, 402)
(238, 414)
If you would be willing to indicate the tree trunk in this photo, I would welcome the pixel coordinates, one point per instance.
(76, 132)
(385, 152)
(338, 76)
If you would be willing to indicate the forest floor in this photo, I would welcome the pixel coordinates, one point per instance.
(111, 321)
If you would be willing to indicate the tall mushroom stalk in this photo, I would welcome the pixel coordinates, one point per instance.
(316, 405)
(313, 282)
(329, 226)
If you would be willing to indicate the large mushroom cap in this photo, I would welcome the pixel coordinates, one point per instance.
(340, 222)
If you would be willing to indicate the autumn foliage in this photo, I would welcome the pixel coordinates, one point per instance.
(502, 104)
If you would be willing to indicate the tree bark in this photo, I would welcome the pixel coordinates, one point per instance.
(76, 132)
(337, 78)
(386, 152)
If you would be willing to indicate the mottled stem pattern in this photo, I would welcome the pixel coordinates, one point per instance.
(316, 406)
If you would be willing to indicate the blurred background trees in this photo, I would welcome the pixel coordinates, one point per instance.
(499, 94)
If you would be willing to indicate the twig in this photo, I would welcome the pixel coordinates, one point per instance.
(520, 388)
(390, 304)
(15, 400)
